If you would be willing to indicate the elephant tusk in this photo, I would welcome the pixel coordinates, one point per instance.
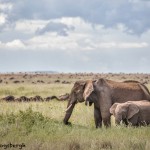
(68, 108)
(87, 103)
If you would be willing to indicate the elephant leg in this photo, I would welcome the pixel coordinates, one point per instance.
(97, 117)
(106, 120)
(125, 122)
(106, 115)
(105, 103)
(134, 120)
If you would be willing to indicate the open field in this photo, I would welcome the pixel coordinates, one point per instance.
(39, 124)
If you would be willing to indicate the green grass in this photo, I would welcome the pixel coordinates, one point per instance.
(39, 124)
(40, 132)
(34, 89)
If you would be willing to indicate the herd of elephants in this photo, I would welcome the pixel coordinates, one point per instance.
(128, 101)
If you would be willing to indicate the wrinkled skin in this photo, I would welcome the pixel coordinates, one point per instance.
(136, 113)
(104, 93)
(76, 96)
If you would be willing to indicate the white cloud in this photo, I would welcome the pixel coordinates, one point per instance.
(2, 18)
(52, 42)
(133, 45)
(5, 6)
(84, 37)
(30, 26)
(107, 13)
(13, 45)
(122, 45)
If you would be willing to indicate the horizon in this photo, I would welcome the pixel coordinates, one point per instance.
(57, 72)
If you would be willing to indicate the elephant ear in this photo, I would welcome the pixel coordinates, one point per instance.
(132, 110)
(88, 90)
(113, 108)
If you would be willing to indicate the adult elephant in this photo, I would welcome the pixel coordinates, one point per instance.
(104, 93)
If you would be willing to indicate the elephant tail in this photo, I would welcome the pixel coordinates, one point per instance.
(145, 90)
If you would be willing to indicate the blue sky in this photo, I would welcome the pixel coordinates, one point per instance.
(75, 36)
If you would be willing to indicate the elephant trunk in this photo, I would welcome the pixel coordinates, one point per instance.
(118, 119)
(68, 114)
(76, 96)
(69, 110)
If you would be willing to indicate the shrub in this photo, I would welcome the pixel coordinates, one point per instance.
(26, 119)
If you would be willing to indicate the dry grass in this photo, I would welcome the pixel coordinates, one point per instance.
(45, 130)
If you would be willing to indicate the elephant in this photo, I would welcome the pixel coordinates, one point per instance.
(104, 93)
(135, 113)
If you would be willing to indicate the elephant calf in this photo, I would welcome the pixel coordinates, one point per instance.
(135, 113)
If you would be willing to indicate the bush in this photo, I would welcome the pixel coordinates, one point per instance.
(26, 119)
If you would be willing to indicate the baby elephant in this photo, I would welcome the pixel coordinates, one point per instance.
(136, 113)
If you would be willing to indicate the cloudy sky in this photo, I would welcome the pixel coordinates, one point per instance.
(75, 36)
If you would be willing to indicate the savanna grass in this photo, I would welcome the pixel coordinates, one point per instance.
(35, 125)
(39, 124)
(34, 89)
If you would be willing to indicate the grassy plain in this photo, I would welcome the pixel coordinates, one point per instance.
(39, 124)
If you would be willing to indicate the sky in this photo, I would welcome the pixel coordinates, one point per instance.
(75, 36)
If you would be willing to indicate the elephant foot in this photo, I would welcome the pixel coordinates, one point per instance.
(68, 123)
(99, 125)
(107, 124)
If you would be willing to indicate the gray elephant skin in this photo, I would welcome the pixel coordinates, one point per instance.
(104, 93)
(135, 113)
